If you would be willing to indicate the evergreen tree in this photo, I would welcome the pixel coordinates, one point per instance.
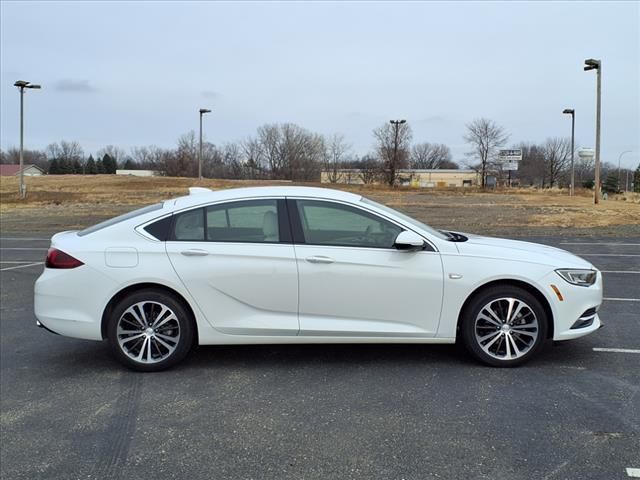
(65, 166)
(100, 166)
(129, 165)
(77, 167)
(91, 168)
(636, 180)
(109, 163)
(54, 168)
(611, 183)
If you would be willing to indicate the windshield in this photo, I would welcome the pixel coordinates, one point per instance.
(406, 219)
(121, 218)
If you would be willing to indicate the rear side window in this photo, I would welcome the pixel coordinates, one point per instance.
(189, 226)
(121, 218)
(249, 221)
(254, 221)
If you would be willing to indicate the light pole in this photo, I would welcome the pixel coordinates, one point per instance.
(21, 84)
(592, 64)
(619, 178)
(202, 112)
(572, 112)
(392, 170)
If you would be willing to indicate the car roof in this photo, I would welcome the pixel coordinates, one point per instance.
(199, 196)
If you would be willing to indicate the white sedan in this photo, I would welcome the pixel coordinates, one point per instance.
(305, 265)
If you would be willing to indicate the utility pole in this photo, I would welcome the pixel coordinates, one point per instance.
(202, 112)
(392, 170)
(592, 64)
(572, 112)
(21, 84)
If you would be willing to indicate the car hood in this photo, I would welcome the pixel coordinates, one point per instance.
(503, 248)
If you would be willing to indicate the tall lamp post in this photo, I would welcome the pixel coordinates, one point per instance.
(396, 124)
(619, 178)
(202, 112)
(592, 64)
(21, 84)
(572, 112)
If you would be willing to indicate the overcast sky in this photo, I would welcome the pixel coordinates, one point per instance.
(130, 74)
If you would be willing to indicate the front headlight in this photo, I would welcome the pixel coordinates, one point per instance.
(583, 278)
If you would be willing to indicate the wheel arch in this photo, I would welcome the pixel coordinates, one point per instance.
(512, 283)
(143, 286)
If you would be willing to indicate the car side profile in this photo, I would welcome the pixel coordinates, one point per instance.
(283, 265)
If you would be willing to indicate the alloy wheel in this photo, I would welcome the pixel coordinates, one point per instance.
(506, 328)
(148, 332)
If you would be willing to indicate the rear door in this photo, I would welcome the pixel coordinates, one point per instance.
(353, 282)
(237, 261)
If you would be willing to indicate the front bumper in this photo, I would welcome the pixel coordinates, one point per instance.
(578, 303)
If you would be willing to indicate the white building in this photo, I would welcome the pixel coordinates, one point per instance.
(137, 173)
(436, 178)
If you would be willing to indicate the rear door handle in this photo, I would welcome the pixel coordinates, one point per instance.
(320, 259)
(194, 252)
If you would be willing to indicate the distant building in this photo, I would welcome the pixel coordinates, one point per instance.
(436, 178)
(14, 170)
(137, 173)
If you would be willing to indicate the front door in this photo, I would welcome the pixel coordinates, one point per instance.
(353, 282)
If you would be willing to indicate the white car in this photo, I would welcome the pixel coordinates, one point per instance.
(305, 265)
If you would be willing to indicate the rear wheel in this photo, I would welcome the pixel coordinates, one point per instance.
(150, 331)
(504, 326)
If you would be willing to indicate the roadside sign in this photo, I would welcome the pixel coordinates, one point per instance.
(510, 158)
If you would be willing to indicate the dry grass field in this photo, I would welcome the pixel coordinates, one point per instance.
(75, 201)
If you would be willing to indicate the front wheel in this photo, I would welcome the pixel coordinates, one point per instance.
(150, 331)
(504, 326)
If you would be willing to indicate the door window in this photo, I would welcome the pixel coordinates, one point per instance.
(252, 221)
(189, 226)
(327, 223)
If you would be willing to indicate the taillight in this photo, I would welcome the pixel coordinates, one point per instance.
(59, 259)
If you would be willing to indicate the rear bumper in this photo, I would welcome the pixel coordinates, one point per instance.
(42, 325)
(70, 302)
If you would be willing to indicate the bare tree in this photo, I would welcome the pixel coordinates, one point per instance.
(369, 168)
(145, 157)
(270, 140)
(557, 154)
(336, 152)
(531, 170)
(117, 154)
(67, 157)
(254, 161)
(430, 155)
(288, 151)
(393, 142)
(31, 157)
(485, 136)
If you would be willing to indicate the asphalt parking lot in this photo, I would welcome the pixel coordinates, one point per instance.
(322, 412)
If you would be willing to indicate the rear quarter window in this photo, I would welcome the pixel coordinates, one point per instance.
(119, 219)
(160, 229)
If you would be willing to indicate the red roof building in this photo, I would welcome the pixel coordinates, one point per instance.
(14, 170)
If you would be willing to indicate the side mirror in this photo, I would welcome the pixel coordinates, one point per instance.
(409, 241)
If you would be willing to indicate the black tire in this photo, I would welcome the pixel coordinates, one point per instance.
(177, 331)
(497, 348)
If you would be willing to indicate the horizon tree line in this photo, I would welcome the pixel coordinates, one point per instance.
(286, 151)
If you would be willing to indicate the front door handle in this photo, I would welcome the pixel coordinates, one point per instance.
(194, 252)
(320, 259)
